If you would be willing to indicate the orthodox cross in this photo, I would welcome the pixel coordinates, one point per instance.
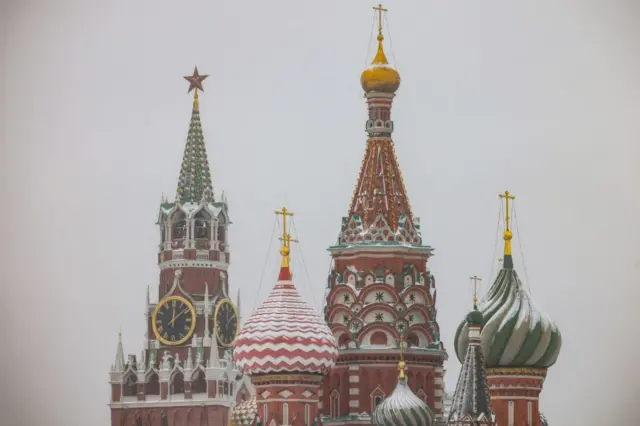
(507, 233)
(380, 9)
(286, 237)
(475, 280)
(507, 196)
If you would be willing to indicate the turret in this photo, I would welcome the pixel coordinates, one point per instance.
(471, 404)
(286, 348)
(182, 376)
(380, 285)
(519, 341)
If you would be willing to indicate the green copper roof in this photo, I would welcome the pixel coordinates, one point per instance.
(515, 332)
(194, 183)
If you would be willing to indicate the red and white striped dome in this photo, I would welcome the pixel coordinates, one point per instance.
(285, 335)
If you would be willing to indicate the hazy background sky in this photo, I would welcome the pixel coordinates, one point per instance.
(538, 97)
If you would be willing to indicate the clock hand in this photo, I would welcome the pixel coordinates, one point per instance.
(174, 315)
(178, 316)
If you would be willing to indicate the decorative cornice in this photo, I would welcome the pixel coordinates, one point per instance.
(184, 263)
(286, 378)
(380, 250)
(517, 371)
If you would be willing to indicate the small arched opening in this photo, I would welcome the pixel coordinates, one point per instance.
(199, 383)
(177, 383)
(153, 385)
(130, 384)
(179, 226)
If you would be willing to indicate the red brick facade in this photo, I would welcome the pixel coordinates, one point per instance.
(381, 289)
(514, 395)
(290, 399)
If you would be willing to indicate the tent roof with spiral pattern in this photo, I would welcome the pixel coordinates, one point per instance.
(515, 333)
(402, 407)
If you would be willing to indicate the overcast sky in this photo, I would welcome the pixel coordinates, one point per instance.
(541, 98)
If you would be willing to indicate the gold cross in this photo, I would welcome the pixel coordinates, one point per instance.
(284, 212)
(380, 9)
(475, 280)
(507, 231)
(507, 196)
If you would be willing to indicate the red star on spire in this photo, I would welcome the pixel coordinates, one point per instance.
(195, 80)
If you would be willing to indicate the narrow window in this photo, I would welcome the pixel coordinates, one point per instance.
(376, 401)
(285, 414)
(530, 413)
(307, 414)
(511, 413)
(265, 414)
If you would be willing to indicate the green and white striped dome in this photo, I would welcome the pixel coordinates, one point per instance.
(402, 407)
(515, 332)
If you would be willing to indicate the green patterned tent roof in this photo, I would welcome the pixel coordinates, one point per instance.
(194, 183)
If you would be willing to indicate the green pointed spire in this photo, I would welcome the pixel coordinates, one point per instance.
(194, 183)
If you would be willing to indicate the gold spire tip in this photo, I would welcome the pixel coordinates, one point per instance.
(507, 232)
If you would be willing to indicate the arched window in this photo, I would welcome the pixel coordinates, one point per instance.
(511, 413)
(307, 415)
(413, 340)
(221, 231)
(530, 412)
(202, 225)
(285, 414)
(376, 401)
(179, 226)
(129, 387)
(153, 385)
(265, 413)
(199, 383)
(334, 405)
(177, 383)
(165, 420)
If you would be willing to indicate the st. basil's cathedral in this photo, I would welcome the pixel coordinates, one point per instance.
(373, 357)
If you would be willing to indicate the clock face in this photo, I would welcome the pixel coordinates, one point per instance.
(174, 320)
(226, 323)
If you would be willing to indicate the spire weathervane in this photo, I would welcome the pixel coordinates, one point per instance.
(195, 83)
(380, 9)
(507, 232)
(285, 249)
(475, 280)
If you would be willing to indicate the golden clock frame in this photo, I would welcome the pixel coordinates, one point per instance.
(215, 323)
(159, 306)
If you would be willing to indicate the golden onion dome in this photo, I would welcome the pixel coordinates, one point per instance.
(380, 76)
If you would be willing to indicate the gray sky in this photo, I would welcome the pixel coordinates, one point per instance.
(540, 98)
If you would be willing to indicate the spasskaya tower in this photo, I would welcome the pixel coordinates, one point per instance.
(184, 374)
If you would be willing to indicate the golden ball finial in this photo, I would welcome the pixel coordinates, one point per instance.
(380, 76)
(508, 235)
